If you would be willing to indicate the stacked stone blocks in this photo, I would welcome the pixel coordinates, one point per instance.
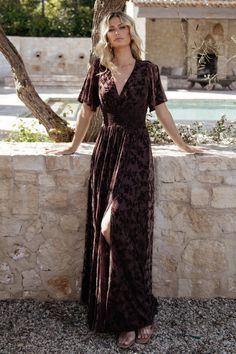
(43, 201)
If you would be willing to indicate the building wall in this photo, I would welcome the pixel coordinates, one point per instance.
(43, 202)
(48, 57)
(176, 43)
(165, 43)
(232, 46)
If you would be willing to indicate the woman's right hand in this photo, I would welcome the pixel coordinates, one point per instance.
(68, 151)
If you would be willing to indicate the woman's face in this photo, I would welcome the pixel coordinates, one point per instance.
(118, 34)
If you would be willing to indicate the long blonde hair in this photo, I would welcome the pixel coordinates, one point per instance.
(104, 51)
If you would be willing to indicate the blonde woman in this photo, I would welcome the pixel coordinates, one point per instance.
(117, 273)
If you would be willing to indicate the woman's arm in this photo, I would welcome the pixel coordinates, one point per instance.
(168, 124)
(82, 124)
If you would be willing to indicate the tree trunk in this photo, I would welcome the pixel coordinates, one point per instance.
(101, 9)
(57, 128)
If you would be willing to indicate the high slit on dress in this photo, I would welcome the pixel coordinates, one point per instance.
(119, 293)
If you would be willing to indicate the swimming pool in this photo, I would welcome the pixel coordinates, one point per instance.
(202, 109)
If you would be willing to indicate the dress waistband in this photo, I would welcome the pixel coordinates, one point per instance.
(125, 128)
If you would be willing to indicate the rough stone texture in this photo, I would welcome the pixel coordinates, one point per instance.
(51, 60)
(184, 38)
(43, 213)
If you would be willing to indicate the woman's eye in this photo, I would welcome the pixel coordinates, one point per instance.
(122, 27)
(111, 30)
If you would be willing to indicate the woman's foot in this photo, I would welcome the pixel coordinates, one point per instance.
(144, 334)
(126, 339)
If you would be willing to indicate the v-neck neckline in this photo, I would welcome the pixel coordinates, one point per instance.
(114, 84)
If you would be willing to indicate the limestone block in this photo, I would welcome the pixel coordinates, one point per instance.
(206, 288)
(78, 200)
(5, 189)
(54, 163)
(230, 178)
(6, 275)
(171, 239)
(165, 287)
(10, 225)
(31, 279)
(24, 177)
(68, 239)
(230, 245)
(49, 216)
(172, 215)
(54, 255)
(80, 165)
(6, 167)
(71, 182)
(5, 295)
(224, 197)
(46, 181)
(208, 178)
(59, 287)
(198, 288)
(26, 199)
(173, 191)
(212, 163)
(69, 223)
(231, 286)
(54, 199)
(201, 257)
(4, 206)
(28, 162)
(169, 262)
(31, 229)
(200, 220)
(184, 288)
(175, 169)
(199, 197)
(36, 294)
(18, 252)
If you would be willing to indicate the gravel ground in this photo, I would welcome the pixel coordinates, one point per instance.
(182, 326)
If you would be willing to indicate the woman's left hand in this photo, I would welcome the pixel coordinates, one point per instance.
(193, 149)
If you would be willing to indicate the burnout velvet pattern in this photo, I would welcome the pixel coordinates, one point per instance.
(120, 297)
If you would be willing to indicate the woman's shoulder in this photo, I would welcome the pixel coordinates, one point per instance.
(149, 65)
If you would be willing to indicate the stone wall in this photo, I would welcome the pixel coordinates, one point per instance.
(51, 61)
(175, 43)
(43, 211)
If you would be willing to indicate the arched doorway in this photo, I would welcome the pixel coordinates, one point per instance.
(207, 59)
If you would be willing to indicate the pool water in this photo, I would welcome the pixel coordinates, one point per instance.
(202, 110)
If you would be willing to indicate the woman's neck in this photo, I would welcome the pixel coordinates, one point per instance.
(123, 56)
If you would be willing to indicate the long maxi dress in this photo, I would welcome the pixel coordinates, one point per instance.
(119, 293)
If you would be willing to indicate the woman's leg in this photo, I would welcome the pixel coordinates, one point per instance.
(125, 338)
(106, 224)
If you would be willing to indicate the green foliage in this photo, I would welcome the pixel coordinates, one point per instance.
(26, 134)
(57, 18)
(223, 132)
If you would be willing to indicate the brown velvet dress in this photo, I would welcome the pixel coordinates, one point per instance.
(119, 297)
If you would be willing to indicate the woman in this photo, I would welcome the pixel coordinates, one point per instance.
(117, 283)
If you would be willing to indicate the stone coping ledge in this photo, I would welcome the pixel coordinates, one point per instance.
(38, 148)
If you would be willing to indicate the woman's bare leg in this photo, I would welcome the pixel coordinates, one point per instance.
(125, 338)
(106, 225)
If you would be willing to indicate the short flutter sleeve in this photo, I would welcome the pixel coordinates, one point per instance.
(89, 92)
(156, 94)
